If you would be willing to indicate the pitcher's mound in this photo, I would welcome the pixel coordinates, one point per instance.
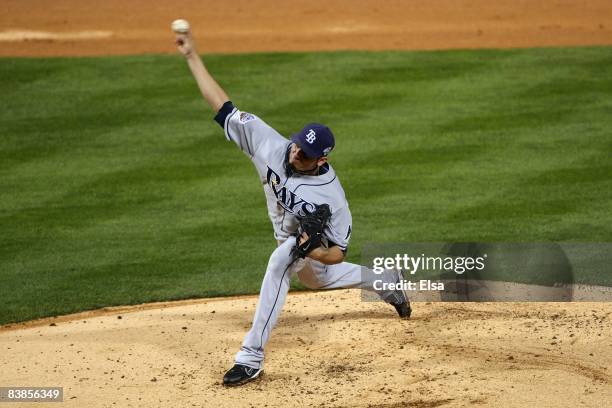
(328, 349)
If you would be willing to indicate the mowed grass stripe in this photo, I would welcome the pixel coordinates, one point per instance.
(118, 188)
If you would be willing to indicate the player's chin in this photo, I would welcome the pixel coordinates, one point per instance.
(295, 163)
(299, 167)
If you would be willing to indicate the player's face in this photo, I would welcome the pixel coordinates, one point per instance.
(299, 161)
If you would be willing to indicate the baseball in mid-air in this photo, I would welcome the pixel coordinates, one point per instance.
(180, 26)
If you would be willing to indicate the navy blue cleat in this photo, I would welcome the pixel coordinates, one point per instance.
(403, 309)
(240, 374)
(400, 301)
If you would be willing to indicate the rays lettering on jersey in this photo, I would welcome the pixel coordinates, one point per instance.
(287, 198)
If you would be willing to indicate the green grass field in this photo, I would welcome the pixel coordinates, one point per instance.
(118, 188)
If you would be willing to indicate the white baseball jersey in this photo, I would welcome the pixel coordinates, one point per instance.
(297, 194)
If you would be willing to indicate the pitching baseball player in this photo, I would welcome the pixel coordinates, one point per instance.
(308, 210)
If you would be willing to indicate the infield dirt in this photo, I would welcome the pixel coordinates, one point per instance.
(72, 27)
(328, 349)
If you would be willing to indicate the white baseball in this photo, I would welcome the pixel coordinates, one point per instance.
(180, 26)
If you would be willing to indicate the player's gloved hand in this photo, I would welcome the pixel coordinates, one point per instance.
(310, 231)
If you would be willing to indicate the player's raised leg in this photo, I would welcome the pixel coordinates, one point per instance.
(316, 275)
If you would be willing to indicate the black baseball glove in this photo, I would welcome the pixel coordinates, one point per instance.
(312, 224)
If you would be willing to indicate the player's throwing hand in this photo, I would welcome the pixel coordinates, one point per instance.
(184, 43)
(211, 91)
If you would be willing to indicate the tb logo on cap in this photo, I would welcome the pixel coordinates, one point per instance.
(311, 136)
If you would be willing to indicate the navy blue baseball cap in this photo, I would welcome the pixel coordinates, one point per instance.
(315, 140)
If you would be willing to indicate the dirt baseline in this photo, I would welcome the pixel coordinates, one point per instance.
(72, 27)
(329, 349)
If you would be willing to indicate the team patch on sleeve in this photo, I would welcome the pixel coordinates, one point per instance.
(246, 117)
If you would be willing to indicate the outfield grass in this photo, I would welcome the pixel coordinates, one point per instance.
(118, 188)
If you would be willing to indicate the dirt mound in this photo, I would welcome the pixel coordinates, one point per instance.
(328, 349)
(65, 27)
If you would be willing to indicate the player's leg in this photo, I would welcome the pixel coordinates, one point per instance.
(316, 275)
(272, 297)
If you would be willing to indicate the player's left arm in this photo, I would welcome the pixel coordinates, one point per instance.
(327, 256)
(338, 234)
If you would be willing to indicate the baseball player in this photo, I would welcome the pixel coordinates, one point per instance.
(308, 210)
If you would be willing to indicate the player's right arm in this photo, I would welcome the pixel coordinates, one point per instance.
(210, 89)
(252, 135)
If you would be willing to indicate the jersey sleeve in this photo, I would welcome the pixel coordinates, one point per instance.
(339, 228)
(246, 130)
